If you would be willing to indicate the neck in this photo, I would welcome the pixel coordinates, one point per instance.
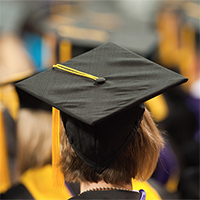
(87, 186)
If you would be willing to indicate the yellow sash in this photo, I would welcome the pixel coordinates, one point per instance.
(158, 107)
(151, 193)
(38, 181)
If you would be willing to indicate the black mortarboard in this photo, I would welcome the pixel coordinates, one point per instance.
(100, 95)
(95, 22)
(29, 101)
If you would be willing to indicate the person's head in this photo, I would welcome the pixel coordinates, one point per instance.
(137, 161)
(33, 124)
(33, 139)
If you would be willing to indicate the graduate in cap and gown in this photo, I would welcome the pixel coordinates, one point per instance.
(33, 158)
(108, 136)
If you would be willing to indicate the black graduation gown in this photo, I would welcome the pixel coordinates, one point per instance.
(17, 192)
(108, 194)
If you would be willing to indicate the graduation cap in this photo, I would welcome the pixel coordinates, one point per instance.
(100, 95)
(28, 101)
(94, 23)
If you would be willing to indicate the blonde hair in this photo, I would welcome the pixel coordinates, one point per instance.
(137, 161)
(33, 140)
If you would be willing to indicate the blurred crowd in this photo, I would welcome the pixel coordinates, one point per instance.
(34, 35)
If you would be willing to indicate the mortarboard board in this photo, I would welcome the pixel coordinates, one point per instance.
(100, 95)
(28, 101)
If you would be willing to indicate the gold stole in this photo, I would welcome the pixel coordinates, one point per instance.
(151, 193)
(38, 181)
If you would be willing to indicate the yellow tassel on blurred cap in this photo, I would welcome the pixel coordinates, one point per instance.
(58, 177)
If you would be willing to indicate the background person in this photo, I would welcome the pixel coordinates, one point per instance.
(33, 159)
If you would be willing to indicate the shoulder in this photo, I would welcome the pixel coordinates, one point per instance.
(17, 192)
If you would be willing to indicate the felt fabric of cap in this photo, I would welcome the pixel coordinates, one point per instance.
(99, 145)
(28, 101)
(95, 111)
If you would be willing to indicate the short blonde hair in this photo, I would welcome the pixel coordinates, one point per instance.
(137, 161)
(33, 139)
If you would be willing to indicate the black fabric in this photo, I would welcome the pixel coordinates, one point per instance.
(189, 183)
(28, 101)
(112, 194)
(17, 192)
(74, 188)
(9, 125)
(130, 80)
(183, 129)
(102, 143)
(100, 118)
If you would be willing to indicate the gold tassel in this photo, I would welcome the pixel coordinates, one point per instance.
(58, 177)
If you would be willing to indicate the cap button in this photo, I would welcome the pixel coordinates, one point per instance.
(100, 80)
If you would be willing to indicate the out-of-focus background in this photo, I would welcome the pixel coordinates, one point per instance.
(34, 35)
